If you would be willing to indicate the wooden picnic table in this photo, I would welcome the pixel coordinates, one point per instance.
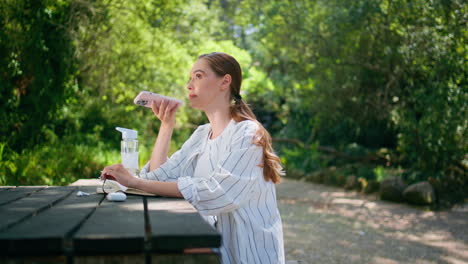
(47, 224)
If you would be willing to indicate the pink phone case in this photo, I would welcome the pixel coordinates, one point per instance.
(145, 98)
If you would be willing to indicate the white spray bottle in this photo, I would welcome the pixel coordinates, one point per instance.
(129, 149)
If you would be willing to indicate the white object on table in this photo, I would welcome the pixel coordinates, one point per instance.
(116, 196)
(80, 193)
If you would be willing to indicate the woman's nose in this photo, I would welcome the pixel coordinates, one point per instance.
(189, 86)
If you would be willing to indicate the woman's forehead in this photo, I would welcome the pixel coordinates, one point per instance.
(200, 65)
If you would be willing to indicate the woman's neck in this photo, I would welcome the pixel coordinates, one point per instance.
(219, 119)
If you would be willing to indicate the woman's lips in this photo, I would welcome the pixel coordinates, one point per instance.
(191, 96)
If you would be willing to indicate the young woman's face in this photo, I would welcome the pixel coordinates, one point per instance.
(203, 86)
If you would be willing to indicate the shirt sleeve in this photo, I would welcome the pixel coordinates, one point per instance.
(234, 180)
(170, 170)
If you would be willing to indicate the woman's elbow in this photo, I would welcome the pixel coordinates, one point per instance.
(216, 209)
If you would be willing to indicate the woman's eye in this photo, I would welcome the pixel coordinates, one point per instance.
(197, 76)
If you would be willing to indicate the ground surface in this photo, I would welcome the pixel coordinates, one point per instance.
(324, 224)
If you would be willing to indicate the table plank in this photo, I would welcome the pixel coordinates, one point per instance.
(176, 225)
(33, 259)
(115, 227)
(4, 188)
(114, 258)
(186, 258)
(45, 233)
(11, 194)
(19, 210)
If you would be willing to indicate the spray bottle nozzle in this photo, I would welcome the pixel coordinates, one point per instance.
(128, 133)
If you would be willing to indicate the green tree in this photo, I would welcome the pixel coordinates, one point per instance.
(383, 74)
(37, 67)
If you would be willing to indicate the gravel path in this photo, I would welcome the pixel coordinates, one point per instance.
(323, 224)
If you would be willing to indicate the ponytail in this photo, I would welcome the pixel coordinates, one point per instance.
(272, 169)
(222, 64)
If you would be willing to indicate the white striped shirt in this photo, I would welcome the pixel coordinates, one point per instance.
(235, 192)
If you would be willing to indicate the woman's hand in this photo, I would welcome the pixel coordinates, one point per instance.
(166, 111)
(120, 174)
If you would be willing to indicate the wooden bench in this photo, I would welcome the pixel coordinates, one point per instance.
(52, 224)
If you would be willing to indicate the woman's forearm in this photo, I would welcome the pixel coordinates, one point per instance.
(168, 189)
(161, 147)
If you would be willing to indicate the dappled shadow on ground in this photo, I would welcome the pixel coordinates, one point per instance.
(324, 224)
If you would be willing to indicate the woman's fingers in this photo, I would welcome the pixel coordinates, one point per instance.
(166, 110)
(154, 108)
(161, 110)
(170, 107)
(106, 171)
(163, 105)
(174, 106)
(111, 168)
(172, 111)
(113, 172)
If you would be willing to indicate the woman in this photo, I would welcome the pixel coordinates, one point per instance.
(226, 169)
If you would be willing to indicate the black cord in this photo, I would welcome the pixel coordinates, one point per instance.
(103, 190)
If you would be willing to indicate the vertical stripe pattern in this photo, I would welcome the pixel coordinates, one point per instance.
(234, 192)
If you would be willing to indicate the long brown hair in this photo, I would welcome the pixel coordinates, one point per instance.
(222, 64)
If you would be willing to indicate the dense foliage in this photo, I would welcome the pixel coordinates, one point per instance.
(369, 88)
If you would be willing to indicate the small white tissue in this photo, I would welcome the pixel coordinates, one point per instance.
(116, 196)
(80, 193)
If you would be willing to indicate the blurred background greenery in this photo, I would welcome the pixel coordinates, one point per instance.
(370, 88)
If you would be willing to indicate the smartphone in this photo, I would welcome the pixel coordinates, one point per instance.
(145, 98)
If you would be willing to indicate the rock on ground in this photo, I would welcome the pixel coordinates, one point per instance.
(420, 193)
(391, 189)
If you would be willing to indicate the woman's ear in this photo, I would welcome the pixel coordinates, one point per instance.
(226, 83)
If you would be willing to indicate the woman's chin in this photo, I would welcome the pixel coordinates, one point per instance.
(194, 105)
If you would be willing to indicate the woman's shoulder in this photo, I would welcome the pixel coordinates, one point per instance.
(243, 130)
(200, 131)
(245, 126)
(197, 134)
(202, 128)
(236, 129)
